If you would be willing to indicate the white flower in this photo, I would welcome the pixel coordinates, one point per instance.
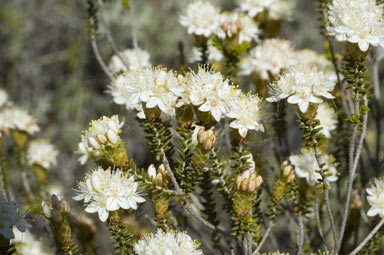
(309, 57)
(357, 21)
(277, 9)
(328, 119)
(14, 118)
(376, 198)
(3, 98)
(10, 216)
(234, 23)
(43, 153)
(108, 190)
(105, 130)
(214, 54)
(27, 244)
(247, 114)
(131, 57)
(153, 87)
(306, 166)
(209, 91)
(202, 18)
(270, 57)
(301, 85)
(167, 243)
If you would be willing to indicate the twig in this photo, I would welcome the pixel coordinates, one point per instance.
(109, 35)
(96, 51)
(133, 33)
(354, 156)
(300, 235)
(369, 236)
(318, 223)
(260, 245)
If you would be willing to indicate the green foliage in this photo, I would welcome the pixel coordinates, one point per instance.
(123, 240)
(312, 136)
(92, 19)
(374, 244)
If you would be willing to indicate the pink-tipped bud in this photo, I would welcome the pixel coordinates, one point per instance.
(252, 186)
(46, 210)
(258, 181)
(239, 179)
(246, 174)
(112, 136)
(101, 139)
(244, 185)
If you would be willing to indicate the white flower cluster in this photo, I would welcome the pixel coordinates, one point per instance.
(10, 217)
(306, 166)
(202, 18)
(27, 244)
(42, 153)
(14, 118)
(101, 132)
(149, 88)
(277, 9)
(235, 23)
(135, 60)
(270, 57)
(214, 54)
(357, 21)
(328, 119)
(169, 243)
(208, 91)
(108, 190)
(376, 198)
(302, 85)
(308, 57)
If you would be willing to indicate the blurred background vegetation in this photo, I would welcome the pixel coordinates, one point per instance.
(47, 65)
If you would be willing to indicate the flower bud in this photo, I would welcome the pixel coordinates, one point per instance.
(101, 139)
(112, 136)
(152, 171)
(162, 169)
(46, 209)
(252, 186)
(56, 215)
(258, 181)
(159, 178)
(92, 141)
(239, 179)
(206, 138)
(55, 201)
(63, 206)
(244, 185)
(113, 126)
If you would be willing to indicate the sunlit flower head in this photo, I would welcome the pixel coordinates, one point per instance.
(135, 59)
(301, 85)
(209, 91)
(357, 21)
(169, 243)
(309, 57)
(108, 190)
(14, 118)
(306, 166)
(202, 18)
(27, 244)
(376, 198)
(328, 119)
(246, 111)
(269, 58)
(42, 153)
(149, 87)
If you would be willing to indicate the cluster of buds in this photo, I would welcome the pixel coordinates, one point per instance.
(232, 23)
(206, 138)
(287, 176)
(102, 142)
(56, 213)
(160, 201)
(246, 185)
(160, 176)
(248, 182)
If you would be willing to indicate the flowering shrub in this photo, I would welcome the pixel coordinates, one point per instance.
(233, 168)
